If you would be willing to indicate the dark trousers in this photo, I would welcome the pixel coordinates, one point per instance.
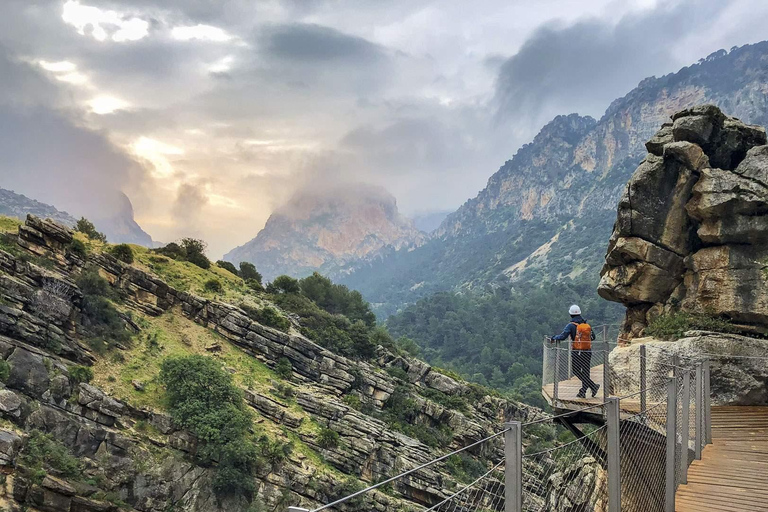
(581, 364)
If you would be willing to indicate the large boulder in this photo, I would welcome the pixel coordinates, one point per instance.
(692, 225)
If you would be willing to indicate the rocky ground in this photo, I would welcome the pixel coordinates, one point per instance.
(129, 451)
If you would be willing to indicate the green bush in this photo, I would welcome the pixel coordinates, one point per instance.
(284, 284)
(254, 285)
(226, 265)
(77, 248)
(80, 374)
(100, 319)
(213, 286)
(171, 250)
(337, 299)
(122, 252)
(353, 401)
(284, 368)
(194, 252)
(203, 398)
(464, 468)
(44, 451)
(673, 326)
(328, 438)
(88, 229)
(5, 371)
(248, 272)
(268, 316)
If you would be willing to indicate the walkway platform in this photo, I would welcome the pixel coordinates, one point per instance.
(732, 475)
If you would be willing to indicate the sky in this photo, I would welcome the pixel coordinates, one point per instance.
(210, 114)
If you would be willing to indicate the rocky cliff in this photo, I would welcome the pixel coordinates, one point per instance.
(692, 223)
(543, 214)
(129, 452)
(19, 206)
(328, 229)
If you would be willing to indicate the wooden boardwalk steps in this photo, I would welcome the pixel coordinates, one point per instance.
(732, 475)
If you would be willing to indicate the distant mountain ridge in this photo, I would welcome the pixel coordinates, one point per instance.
(19, 205)
(545, 215)
(119, 228)
(329, 229)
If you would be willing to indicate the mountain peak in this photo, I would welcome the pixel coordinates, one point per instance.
(328, 228)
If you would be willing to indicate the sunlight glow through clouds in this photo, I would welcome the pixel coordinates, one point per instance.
(64, 71)
(202, 32)
(86, 18)
(157, 153)
(106, 105)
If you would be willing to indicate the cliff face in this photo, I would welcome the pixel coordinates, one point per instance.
(692, 223)
(19, 206)
(131, 453)
(543, 214)
(328, 230)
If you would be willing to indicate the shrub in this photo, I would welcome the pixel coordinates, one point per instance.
(226, 265)
(87, 228)
(80, 374)
(101, 320)
(284, 284)
(328, 438)
(284, 368)
(268, 316)
(91, 283)
(248, 272)
(172, 250)
(353, 401)
(464, 468)
(122, 252)
(203, 399)
(5, 371)
(43, 450)
(77, 248)
(254, 285)
(274, 452)
(194, 252)
(213, 286)
(337, 299)
(673, 326)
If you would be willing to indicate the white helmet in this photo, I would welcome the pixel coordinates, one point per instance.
(575, 310)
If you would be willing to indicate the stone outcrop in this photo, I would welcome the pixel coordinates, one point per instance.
(692, 222)
(737, 365)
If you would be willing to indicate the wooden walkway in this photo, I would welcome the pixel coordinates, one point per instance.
(732, 474)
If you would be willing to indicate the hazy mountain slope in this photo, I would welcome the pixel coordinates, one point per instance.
(545, 215)
(328, 230)
(119, 228)
(18, 206)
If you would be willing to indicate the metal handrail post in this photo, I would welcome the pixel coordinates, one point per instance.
(643, 383)
(707, 403)
(613, 452)
(685, 426)
(606, 364)
(557, 375)
(699, 410)
(669, 495)
(513, 470)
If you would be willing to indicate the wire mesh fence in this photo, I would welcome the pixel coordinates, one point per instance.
(631, 459)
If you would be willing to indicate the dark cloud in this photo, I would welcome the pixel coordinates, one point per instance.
(188, 208)
(47, 155)
(583, 67)
(307, 42)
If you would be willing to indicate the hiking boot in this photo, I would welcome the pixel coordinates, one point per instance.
(594, 391)
(582, 394)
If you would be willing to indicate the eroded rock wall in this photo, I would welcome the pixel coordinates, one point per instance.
(691, 228)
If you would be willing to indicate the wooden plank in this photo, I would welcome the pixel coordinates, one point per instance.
(731, 475)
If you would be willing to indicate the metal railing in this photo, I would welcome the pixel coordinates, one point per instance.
(651, 426)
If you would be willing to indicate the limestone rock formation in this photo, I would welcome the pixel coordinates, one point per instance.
(153, 469)
(692, 222)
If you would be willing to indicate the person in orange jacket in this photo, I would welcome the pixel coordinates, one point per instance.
(580, 332)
